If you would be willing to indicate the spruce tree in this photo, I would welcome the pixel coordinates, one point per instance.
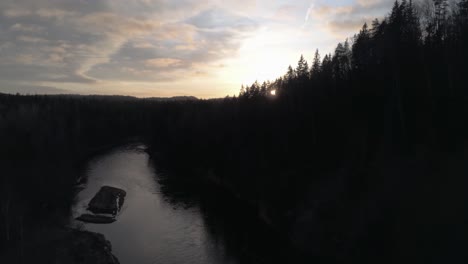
(315, 69)
(302, 68)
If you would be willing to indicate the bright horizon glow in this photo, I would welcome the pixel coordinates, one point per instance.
(153, 48)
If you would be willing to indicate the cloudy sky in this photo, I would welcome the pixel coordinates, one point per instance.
(205, 48)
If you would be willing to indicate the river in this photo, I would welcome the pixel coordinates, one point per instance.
(163, 223)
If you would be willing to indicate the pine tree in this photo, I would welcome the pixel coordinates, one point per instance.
(326, 68)
(290, 75)
(395, 15)
(341, 61)
(362, 49)
(441, 12)
(412, 30)
(463, 8)
(263, 89)
(302, 68)
(462, 18)
(315, 69)
(255, 89)
(242, 91)
(375, 27)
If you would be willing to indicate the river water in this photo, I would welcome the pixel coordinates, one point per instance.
(163, 223)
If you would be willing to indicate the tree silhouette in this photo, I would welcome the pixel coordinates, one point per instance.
(315, 69)
(362, 53)
(291, 74)
(302, 68)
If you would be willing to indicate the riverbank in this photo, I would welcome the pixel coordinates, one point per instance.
(166, 219)
(218, 193)
(201, 178)
(31, 209)
(62, 245)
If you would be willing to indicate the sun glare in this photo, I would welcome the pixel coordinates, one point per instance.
(273, 92)
(260, 58)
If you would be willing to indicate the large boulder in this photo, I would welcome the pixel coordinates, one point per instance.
(108, 200)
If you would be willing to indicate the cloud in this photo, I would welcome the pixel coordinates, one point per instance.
(31, 39)
(54, 13)
(65, 41)
(369, 3)
(170, 56)
(91, 41)
(220, 18)
(308, 12)
(163, 62)
(346, 25)
(179, 49)
(14, 13)
(286, 12)
(346, 19)
(26, 28)
(13, 88)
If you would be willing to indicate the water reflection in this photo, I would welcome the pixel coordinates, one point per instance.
(166, 220)
(230, 225)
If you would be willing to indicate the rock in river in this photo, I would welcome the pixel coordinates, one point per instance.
(96, 219)
(108, 200)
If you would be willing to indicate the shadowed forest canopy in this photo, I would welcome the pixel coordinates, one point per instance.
(360, 156)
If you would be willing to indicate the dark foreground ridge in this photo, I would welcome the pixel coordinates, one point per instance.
(64, 245)
(84, 247)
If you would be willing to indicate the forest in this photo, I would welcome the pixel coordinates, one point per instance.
(358, 158)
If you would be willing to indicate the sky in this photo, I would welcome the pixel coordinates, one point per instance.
(163, 48)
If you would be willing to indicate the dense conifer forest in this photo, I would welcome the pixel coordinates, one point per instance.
(359, 157)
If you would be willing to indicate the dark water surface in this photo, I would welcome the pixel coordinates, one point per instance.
(165, 223)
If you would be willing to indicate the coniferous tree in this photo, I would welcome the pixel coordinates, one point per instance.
(441, 7)
(463, 8)
(290, 74)
(341, 61)
(315, 69)
(361, 52)
(327, 67)
(242, 91)
(302, 68)
(375, 26)
(264, 88)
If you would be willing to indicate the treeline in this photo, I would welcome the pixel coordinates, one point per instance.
(359, 157)
(415, 75)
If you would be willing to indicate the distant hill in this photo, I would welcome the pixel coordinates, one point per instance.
(115, 97)
(174, 98)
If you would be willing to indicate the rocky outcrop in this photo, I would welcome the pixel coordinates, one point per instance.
(107, 201)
